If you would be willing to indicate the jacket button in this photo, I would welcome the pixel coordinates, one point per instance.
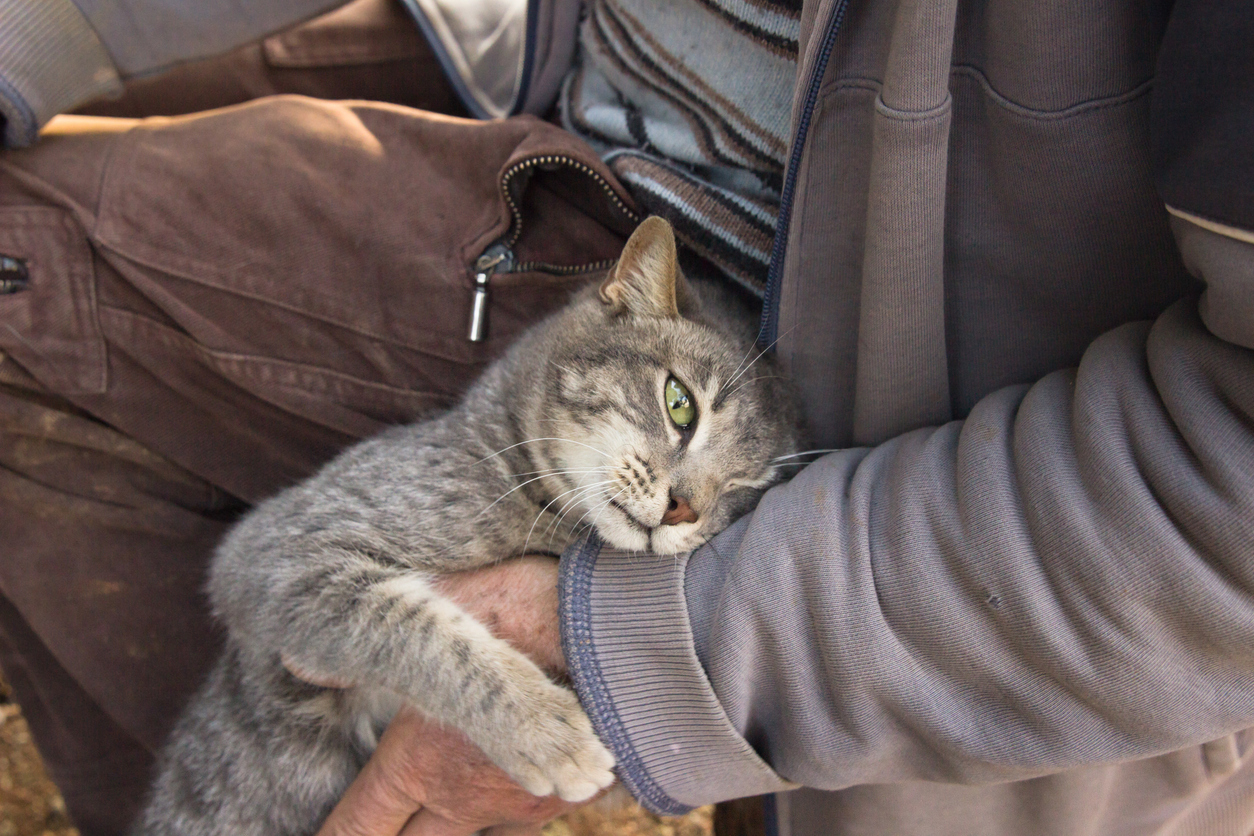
(13, 275)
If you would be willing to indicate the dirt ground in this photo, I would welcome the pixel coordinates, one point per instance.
(29, 803)
(31, 806)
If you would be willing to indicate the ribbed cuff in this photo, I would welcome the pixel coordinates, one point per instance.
(50, 61)
(630, 653)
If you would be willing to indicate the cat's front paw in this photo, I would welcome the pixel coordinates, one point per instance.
(555, 751)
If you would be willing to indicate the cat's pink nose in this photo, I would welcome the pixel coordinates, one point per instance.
(679, 511)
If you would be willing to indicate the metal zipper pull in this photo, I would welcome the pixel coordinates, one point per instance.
(13, 275)
(495, 259)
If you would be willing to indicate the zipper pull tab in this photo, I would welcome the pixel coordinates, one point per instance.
(496, 258)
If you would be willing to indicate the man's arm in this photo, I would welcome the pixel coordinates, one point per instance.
(1062, 579)
(426, 780)
(58, 54)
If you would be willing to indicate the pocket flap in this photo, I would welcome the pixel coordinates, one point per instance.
(51, 327)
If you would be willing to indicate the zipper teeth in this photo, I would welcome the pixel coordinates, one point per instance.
(564, 270)
(548, 159)
(770, 301)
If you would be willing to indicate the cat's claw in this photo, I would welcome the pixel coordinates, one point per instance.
(563, 755)
(579, 781)
(582, 774)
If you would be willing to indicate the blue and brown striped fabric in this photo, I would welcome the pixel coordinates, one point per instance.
(689, 101)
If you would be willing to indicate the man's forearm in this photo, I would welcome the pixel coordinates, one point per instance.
(1061, 580)
(517, 601)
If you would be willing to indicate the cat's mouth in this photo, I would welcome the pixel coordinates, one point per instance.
(628, 532)
(632, 519)
(624, 530)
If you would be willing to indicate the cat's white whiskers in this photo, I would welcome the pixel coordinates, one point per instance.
(580, 493)
(554, 527)
(547, 505)
(599, 509)
(600, 505)
(516, 487)
(570, 506)
(557, 471)
(745, 356)
(573, 503)
(761, 354)
(807, 453)
(752, 380)
(510, 491)
(790, 464)
(537, 440)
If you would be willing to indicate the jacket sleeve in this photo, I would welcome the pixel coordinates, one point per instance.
(1064, 578)
(58, 54)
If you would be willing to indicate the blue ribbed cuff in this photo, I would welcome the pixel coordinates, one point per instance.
(630, 653)
(575, 616)
(50, 61)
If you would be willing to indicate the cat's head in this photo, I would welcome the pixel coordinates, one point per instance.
(670, 423)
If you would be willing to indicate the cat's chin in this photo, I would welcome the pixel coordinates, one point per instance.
(666, 539)
(675, 539)
(623, 534)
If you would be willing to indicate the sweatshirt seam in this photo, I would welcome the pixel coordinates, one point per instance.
(1077, 109)
(866, 84)
(583, 664)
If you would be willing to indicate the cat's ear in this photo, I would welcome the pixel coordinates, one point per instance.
(646, 280)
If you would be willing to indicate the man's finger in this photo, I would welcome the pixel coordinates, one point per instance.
(429, 823)
(362, 813)
(379, 801)
(514, 830)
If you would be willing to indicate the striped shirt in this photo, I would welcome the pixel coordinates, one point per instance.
(689, 102)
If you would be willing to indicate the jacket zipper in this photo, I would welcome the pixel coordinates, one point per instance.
(770, 297)
(14, 276)
(494, 258)
(529, 58)
(499, 256)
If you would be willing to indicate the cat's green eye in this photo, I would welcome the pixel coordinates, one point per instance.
(679, 403)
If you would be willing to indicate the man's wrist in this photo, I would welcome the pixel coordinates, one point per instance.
(52, 61)
(631, 659)
(517, 601)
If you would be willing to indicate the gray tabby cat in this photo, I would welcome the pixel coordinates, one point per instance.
(635, 411)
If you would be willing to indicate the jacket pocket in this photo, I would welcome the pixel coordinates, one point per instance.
(565, 215)
(363, 218)
(363, 32)
(48, 316)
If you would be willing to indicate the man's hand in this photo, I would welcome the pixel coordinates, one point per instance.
(517, 601)
(425, 780)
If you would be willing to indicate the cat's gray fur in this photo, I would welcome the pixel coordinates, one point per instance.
(567, 431)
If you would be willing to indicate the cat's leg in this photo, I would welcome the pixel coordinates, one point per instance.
(257, 753)
(377, 626)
